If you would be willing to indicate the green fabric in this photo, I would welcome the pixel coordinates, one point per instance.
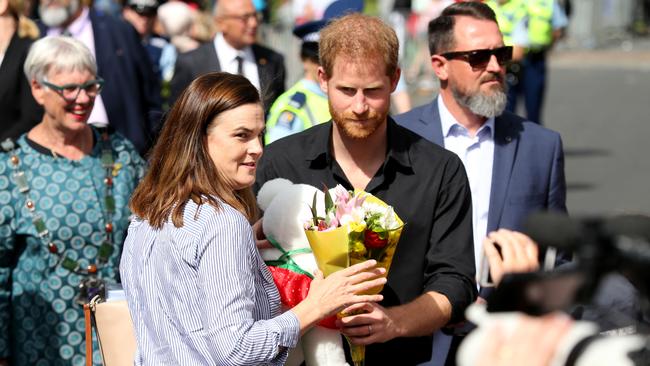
(316, 104)
(540, 26)
(508, 16)
(285, 261)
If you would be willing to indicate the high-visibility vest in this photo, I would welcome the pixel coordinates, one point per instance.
(291, 108)
(540, 26)
(508, 15)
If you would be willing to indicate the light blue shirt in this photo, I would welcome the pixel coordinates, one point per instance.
(202, 295)
(477, 154)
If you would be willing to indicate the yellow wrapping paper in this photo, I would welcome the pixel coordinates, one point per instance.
(332, 250)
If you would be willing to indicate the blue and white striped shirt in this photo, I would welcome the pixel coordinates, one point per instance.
(202, 295)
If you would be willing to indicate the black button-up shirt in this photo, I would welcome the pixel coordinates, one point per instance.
(428, 188)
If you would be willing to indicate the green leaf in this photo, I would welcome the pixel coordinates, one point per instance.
(314, 213)
(329, 204)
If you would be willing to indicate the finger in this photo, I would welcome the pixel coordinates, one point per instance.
(494, 259)
(369, 298)
(531, 250)
(519, 250)
(318, 274)
(374, 273)
(368, 285)
(357, 308)
(360, 330)
(359, 267)
(505, 242)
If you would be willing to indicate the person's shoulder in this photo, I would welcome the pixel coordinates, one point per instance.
(411, 115)
(22, 45)
(419, 145)
(296, 144)
(266, 52)
(529, 130)
(197, 53)
(203, 218)
(101, 18)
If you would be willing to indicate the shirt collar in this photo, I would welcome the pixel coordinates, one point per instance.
(449, 122)
(77, 26)
(320, 150)
(228, 52)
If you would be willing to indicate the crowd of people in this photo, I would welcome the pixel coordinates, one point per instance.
(134, 152)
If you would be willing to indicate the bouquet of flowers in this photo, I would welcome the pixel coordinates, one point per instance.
(355, 227)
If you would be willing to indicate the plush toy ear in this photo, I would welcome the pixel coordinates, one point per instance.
(270, 189)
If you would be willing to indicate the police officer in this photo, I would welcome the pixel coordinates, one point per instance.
(546, 23)
(512, 19)
(305, 104)
(142, 16)
(531, 27)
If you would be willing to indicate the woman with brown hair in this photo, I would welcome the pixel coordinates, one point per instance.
(19, 111)
(197, 288)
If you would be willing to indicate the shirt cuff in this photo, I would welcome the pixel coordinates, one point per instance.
(288, 328)
(459, 293)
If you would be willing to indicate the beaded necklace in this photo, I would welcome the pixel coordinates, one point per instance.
(106, 248)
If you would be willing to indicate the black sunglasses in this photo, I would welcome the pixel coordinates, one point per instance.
(481, 58)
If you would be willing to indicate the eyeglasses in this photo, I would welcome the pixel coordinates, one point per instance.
(70, 92)
(244, 17)
(481, 58)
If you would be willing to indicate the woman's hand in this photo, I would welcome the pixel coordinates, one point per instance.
(341, 289)
(516, 253)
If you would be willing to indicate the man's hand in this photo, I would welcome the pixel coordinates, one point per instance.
(260, 239)
(518, 253)
(376, 324)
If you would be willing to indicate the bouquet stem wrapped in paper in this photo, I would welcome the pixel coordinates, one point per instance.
(355, 227)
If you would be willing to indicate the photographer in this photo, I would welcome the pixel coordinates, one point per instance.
(506, 332)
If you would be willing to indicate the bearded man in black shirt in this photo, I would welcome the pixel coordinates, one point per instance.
(431, 280)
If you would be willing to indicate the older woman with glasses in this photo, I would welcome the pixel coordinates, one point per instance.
(64, 189)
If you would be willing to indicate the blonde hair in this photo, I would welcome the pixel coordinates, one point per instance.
(358, 37)
(26, 27)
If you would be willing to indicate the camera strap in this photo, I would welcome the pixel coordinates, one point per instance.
(579, 348)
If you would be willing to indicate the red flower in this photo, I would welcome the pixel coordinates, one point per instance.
(372, 240)
(322, 225)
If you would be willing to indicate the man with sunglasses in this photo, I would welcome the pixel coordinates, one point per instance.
(514, 166)
(234, 50)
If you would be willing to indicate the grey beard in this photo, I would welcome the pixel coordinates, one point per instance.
(56, 16)
(482, 104)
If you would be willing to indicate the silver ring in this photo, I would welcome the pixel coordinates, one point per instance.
(369, 329)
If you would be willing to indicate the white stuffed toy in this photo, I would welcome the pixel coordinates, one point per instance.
(286, 209)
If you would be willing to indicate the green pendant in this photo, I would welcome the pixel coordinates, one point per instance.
(69, 264)
(109, 202)
(105, 251)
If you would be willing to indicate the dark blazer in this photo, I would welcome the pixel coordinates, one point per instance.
(190, 65)
(19, 112)
(528, 169)
(131, 93)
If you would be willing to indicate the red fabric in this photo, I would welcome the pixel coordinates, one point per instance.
(293, 288)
